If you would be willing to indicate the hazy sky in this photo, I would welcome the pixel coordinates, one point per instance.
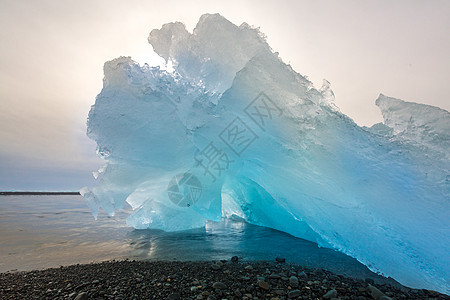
(52, 54)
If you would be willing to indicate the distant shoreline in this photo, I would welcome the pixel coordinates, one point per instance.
(38, 193)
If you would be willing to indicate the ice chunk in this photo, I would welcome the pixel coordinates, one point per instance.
(235, 131)
(423, 125)
(204, 56)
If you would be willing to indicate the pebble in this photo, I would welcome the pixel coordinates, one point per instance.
(248, 267)
(280, 259)
(174, 296)
(215, 267)
(264, 285)
(302, 274)
(293, 281)
(294, 294)
(234, 259)
(374, 292)
(81, 296)
(219, 285)
(330, 294)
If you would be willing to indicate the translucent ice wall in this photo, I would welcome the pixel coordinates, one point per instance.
(235, 131)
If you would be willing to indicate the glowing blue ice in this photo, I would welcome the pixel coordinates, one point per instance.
(235, 131)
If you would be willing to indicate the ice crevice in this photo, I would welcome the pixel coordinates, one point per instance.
(233, 130)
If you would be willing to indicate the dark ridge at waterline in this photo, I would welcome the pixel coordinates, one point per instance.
(209, 280)
(13, 193)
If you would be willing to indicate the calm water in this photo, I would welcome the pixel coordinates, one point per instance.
(48, 231)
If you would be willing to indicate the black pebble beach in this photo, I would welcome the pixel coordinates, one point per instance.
(229, 280)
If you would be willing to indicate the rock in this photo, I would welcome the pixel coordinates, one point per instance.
(302, 274)
(211, 297)
(279, 292)
(81, 296)
(293, 281)
(194, 289)
(280, 260)
(369, 281)
(173, 296)
(248, 267)
(234, 259)
(219, 263)
(294, 294)
(245, 278)
(219, 285)
(374, 292)
(260, 278)
(274, 276)
(330, 294)
(215, 267)
(264, 285)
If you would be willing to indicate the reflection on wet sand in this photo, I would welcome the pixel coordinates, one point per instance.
(39, 232)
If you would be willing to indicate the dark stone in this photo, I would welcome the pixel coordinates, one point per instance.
(280, 260)
(330, 294)
(235, 259)
(219, 285)
(264, 285)
(293, 281)
(374, 292)
(294, 294)
(174, 296)
(81, 296)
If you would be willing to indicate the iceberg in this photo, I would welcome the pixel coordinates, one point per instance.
(233, 131)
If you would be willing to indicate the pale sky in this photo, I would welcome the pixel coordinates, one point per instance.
(52, 54)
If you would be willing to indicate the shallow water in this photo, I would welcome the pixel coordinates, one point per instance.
(48, 231)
